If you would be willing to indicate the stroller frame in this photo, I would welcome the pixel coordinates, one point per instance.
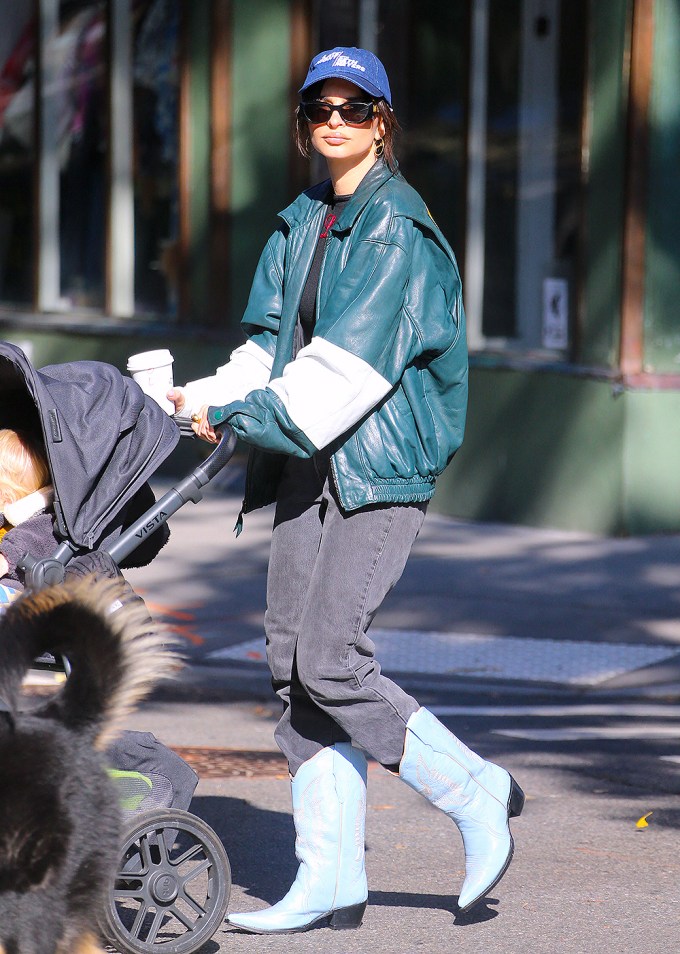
(50, 571)
(158, 880)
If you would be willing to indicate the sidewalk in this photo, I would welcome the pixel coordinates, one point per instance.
(585, 878)
(476, 601)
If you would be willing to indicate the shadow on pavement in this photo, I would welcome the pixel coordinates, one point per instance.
(259, 843)
(408, 899)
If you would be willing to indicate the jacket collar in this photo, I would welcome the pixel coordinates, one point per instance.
(307, 205)
(376, 176)
(28, 506)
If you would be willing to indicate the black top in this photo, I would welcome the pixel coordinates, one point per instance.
(336, 204)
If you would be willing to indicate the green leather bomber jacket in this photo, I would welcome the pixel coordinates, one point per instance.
(383, 384)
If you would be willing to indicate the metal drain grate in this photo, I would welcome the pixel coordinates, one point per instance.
(230, 763)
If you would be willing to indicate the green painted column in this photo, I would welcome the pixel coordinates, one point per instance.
(609, 24)
(198, 47)
(261, 134)
(662, 276)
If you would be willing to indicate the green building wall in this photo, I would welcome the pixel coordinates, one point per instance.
(551, 449)
(567, 448)
(562, 447)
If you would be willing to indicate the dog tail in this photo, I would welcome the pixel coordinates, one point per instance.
(115, 651)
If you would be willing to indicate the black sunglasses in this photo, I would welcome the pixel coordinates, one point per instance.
(353, 112)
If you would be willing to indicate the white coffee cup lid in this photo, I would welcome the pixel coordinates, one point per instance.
(149, 359)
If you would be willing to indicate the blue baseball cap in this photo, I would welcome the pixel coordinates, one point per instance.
(360, 67)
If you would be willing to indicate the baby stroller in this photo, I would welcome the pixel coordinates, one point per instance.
(173, 882)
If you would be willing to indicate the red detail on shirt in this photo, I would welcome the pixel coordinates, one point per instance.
(329, 221)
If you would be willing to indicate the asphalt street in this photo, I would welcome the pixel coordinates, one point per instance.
(555, 653)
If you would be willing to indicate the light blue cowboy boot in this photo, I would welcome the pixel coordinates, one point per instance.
(329, 811)
(479, 796)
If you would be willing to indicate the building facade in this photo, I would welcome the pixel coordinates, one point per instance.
(145, 147)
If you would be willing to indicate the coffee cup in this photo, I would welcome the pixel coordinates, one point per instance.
(152, 370)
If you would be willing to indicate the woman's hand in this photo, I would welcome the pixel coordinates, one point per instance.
(176, 395)
(201, 427)
(199, 421)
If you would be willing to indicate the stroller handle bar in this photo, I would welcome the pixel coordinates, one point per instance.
(40, 573)
(191, 488)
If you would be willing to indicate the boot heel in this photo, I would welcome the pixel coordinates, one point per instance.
(346, 918)
(515, 800)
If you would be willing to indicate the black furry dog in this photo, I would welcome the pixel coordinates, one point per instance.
(59, 816)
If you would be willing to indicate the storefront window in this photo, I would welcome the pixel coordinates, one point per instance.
(533, 109)
(77, 57)
(89, 151)
(489, 95)
(424, 48)
(499, 317)
(339, 24)
(156, 150)
(17, 77)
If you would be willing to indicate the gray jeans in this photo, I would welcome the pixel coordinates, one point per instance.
(329, 571)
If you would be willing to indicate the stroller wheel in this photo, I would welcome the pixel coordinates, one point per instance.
(172, 885)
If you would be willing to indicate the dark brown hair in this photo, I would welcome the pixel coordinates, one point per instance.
(384, 110)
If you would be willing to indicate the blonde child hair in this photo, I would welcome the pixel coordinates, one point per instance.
(23, 466)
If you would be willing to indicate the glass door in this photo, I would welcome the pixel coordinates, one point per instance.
(17, 151)
(73, 154)
(524, 179)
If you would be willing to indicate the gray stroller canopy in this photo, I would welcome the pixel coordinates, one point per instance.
(104, 437)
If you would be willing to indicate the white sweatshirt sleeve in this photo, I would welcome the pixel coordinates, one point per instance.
(248, 368)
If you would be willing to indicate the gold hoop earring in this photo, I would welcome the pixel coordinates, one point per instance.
(379, 147)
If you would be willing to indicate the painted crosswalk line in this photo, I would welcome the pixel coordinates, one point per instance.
(600, 710)
(628, 716)
(567, 662)
(586, 733)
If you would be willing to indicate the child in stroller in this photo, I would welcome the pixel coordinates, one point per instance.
(27, 515)
(25, 503)
(46, 418)
(26, 496)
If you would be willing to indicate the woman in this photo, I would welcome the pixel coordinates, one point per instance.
(352, 391)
